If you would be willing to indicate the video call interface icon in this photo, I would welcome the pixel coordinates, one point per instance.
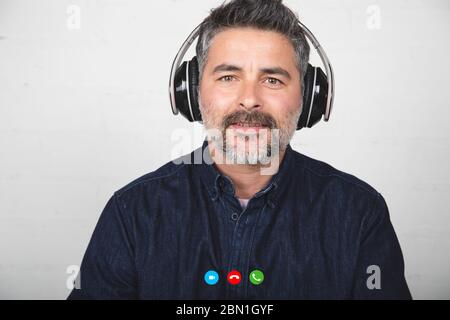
(211, 277)
(234, 277)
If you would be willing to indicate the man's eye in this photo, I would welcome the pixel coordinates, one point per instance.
(274, 81)
(226, 78)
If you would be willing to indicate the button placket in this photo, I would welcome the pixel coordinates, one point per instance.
(235, 263)
(242, 239)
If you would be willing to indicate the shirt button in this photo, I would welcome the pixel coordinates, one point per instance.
(234, 216)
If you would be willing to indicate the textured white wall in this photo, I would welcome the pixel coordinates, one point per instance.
(85, 110)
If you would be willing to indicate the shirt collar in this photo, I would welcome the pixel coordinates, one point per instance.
(217, 182)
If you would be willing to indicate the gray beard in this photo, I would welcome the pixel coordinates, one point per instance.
(257, 153)
(280, 138)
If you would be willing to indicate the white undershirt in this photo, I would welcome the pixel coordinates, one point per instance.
(243, 202)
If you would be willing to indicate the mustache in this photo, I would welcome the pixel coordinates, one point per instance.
(255, 117)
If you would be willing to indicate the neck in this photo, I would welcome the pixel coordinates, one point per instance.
(247, 178)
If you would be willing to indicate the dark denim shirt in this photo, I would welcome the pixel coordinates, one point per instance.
(314, 231)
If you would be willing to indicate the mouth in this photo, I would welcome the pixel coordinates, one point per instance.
(248, 125)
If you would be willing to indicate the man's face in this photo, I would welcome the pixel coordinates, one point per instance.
(250, 87)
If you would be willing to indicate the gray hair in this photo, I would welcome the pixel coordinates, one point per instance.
(270, 15)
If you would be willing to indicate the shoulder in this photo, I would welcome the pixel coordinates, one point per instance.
(321, 172)
(148, 184)
(344, 194)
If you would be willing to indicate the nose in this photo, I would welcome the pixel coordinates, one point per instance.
(249, 98)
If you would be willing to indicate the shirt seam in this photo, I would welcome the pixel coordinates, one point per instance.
(369, 190)
(123, 190)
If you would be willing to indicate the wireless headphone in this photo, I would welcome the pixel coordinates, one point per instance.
(317, 95)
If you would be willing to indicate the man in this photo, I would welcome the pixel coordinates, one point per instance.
(227, 229)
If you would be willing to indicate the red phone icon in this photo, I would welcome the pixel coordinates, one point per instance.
(234, 277)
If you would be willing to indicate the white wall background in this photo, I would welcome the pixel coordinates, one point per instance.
(84, 111)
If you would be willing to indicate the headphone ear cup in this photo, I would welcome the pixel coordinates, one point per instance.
(193, 88)
(180, 91)
(314, 97)
(308, 84)
(185, 89)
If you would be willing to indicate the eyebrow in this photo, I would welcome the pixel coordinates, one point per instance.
(269, 70)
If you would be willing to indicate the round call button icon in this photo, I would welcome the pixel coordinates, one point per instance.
(234, 277)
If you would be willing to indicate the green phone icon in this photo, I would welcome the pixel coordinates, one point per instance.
(256, 277)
